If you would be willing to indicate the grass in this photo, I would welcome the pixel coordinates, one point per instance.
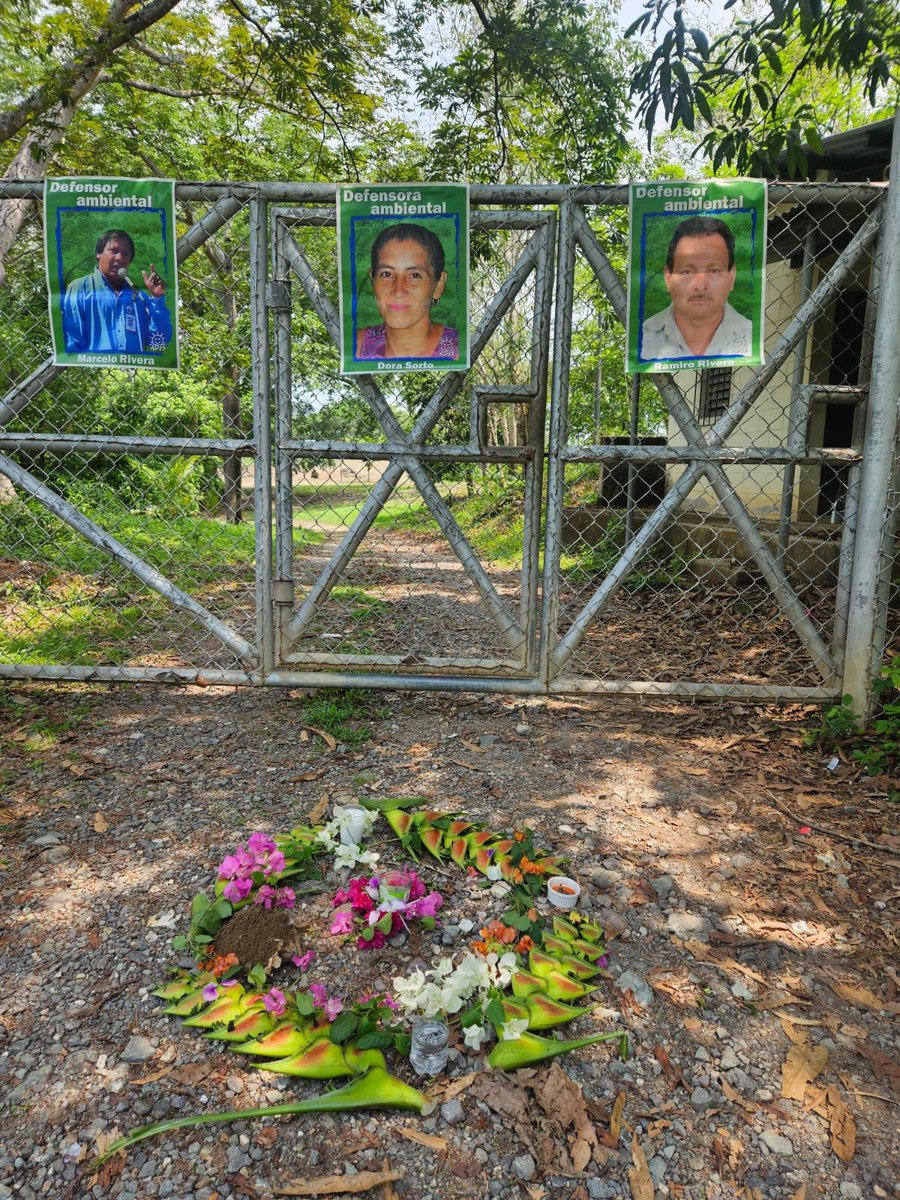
(341, 713)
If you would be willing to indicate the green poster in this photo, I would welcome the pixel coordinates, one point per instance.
(112, 281)
(696, 274)
(403, 259)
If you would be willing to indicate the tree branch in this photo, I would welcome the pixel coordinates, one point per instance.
(115, 33)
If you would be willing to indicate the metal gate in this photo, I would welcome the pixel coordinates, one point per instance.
(405, 533)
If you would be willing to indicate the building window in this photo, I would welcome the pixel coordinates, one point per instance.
(715, 392)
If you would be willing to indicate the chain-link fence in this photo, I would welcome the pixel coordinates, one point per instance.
(255, 517)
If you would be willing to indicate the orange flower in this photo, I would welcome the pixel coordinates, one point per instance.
(218, 964)
(532, 914)
(519, 835)
(524, 944)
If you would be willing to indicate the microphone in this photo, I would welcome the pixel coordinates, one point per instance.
(123, 274)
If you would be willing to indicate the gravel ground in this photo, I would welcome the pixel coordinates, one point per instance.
(730, 931)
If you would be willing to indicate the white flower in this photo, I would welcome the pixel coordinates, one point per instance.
(513, 1029)
(444, 967)
(494, 873)
(474, 1036)
(430, 1000)
(471, 974)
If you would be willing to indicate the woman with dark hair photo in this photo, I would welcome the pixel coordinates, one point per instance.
(408, 279)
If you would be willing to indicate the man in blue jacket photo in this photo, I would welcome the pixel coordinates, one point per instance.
(106, 312)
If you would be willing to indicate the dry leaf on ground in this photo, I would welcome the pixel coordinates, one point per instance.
(884, 1068)
(639, 1176)
(431, 1140)
(457, 1086)
(615, 1121)
(326, 737)
(802, 1065)
(319, 810)
(797, 1036)
(860, 996)
(336, 1185)
(842, 1126)
(800, 1193)
(101, 825)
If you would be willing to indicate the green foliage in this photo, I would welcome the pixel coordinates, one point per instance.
(877, 747)
(207, 917)
(659, 568)
(340, 712)
(770, 81)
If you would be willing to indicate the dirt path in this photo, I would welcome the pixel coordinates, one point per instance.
(741, 936)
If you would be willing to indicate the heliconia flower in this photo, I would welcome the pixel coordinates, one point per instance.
(210, 991)
(333, 1007)
(237, 890)
(275, 1002)
(319, 993)
(303, 960)
(342, 922)
(285, 898)
(265, 896)
(259, 843)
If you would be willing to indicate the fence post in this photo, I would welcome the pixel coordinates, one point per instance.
(262, 433)
(874, 531)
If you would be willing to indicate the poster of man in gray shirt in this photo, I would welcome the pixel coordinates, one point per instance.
(699, 275)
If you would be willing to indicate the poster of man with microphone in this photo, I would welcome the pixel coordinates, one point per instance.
(111, 272)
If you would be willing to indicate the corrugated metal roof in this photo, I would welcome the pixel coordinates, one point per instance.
(855, 155)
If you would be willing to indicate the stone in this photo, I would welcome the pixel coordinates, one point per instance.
(851, 1191)
(657, 1168)
(662, 885)
(729, 1060)
(777, 1143)
(138, 1050)
(630, 981)
(524, 1167)
(603, 877)
(701, 1099)
(688, 925)
(453, 1112)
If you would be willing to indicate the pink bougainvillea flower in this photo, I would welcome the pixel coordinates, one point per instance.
(425, 906)
(319, 993)
(285, 898)
(374, 943)
(303, 961)
(341, 896)
(259, 843)
(603, 961)
(228, 983)
(265, 896)
(275, 1002)
(210, 991)
(237, 890)
(333, 1007)
(276, 862)
(416, 886)
(805, 829)
(342, 922)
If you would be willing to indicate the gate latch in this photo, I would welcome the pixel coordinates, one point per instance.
(278, 295)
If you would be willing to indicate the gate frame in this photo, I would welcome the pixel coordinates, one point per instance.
(865, 576)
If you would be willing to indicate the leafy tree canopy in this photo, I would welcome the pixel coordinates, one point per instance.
(752, 91)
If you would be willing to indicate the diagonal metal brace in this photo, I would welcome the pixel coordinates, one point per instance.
(93, 533)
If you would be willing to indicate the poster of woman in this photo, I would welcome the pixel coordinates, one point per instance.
(696, 280)
(403, 257)
(111, 272)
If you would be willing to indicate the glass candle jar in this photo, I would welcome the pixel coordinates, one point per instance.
(429, 1046)
(354, 824)
(393, 885)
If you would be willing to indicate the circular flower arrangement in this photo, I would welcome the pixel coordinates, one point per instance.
(522, 977)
